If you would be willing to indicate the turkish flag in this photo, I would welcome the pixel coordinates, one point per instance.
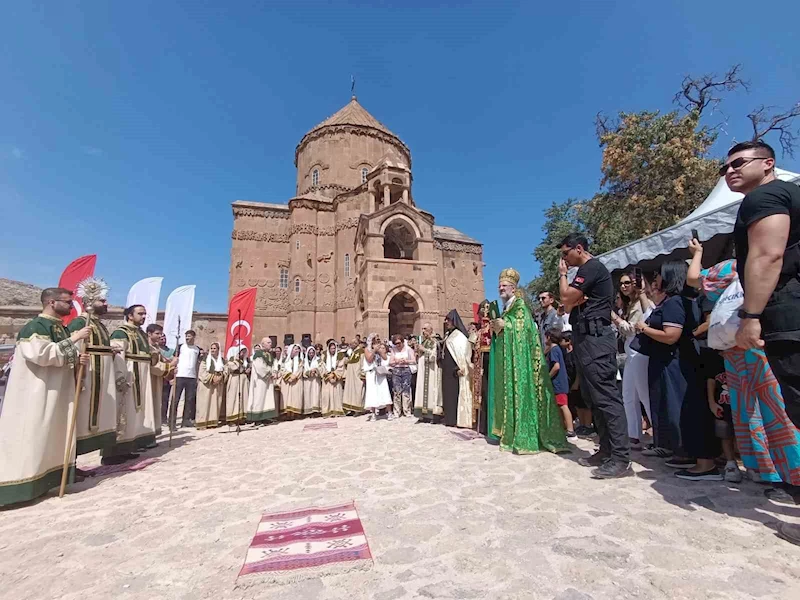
(76, 271)
(241, 311)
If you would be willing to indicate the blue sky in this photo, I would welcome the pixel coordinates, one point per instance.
(127, 129)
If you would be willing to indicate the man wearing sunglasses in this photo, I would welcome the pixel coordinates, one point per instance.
(548, 319)
(767, 238)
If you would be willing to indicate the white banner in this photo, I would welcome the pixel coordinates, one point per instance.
(180, 305)
(146, 292)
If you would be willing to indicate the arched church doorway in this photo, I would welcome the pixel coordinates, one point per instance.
(403, 314)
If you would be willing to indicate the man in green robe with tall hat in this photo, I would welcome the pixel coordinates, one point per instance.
(524, 412)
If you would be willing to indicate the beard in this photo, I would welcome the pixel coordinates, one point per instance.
(100, 309)
(62, 312)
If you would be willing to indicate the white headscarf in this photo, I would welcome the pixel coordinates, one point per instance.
(331, 361)
(314, 362)
(233, 352)
(219, 364)
(290, 365)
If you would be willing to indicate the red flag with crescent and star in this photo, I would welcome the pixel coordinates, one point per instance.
(76, 271)
(241, 311)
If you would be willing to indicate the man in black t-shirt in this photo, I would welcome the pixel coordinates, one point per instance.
(767, 238)
(589, 298)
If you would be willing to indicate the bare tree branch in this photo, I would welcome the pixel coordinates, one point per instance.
(699, 93)
(782, 122)
(603, 124)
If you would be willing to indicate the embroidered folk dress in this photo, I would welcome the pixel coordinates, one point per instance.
(353, 399)
(312, 386)
(332, 385)
(235, 406)
(209, 394)
(36, 411)
(97, 406)
(262, 404)
(135, 417)
(526, 417)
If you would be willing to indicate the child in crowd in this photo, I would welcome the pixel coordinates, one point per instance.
(577, 405)
(720, 405)
(559, 376)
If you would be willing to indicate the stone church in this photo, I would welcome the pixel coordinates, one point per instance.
(352, 252)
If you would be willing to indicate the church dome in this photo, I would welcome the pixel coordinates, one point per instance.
(332, 156)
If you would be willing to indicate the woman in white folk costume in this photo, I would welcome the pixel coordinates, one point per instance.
(97, 406)
(312, 382)
(261, 400)
(238, 386)
(210, 388)
(428, 398)
(332, 381)
(292, 384)
(281, 358)
(376, 384)
(353, 398)
(135, 418)
(457, 368)
(38, 402)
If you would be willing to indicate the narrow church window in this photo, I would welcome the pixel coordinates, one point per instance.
(297, 285)
(315, 177)
(364, 171)
(284, 280)
(347, 266)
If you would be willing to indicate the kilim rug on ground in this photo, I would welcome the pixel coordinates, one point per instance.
(466, 435)
(104, 470)
(316, 426)
(303, 544)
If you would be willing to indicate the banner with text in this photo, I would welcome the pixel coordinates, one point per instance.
(241, 311)
(76, 271)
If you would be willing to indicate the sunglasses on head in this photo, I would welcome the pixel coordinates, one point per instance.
(738, 163)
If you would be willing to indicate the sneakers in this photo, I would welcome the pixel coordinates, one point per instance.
(390, 416)
(656, 451)
(779, 496)
(584, 430)
(595, 460)
(572, 434)
(712, 475)
(732, 473)
(612, 469)
(370, 417)
(636, 444)
(680, 463)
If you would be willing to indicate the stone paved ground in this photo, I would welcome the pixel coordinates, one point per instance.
(445, 519)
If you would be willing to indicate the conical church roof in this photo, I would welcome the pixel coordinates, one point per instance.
(353, 114)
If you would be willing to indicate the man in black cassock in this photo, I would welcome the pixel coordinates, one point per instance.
(450, 372)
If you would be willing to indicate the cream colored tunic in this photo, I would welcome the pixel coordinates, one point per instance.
(135, 417)
(235, 408)
(292, 386)
(428, 394)
(97, 406)
(312, 385)
(262, 404)
(209, 396)
(36, 411)
(461, 351)
(353, 398)
(332, 396)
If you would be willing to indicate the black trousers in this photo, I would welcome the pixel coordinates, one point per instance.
(596, 357)
(165, 392)
(784, 358)
(190, 403)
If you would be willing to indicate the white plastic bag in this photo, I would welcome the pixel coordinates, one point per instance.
(724, 318)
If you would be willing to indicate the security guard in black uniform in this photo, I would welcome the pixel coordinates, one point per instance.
(590, 298)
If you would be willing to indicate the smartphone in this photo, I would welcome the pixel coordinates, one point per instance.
(637, 275)
(695, 235)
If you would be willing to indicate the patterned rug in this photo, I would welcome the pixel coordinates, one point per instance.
(316, 426)
(465, 435)
(309, 543)
(136, 465)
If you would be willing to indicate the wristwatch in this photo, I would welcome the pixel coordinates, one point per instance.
(742, 314)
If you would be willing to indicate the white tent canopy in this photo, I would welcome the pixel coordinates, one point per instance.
(715, 216)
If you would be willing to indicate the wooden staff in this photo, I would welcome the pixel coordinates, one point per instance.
(74, 421)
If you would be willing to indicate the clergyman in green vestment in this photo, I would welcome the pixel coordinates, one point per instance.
(524, 412)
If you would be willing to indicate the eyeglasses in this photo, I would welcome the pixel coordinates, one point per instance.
(625, 282)
(565, 253)
(543, 298)
(738, 163)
